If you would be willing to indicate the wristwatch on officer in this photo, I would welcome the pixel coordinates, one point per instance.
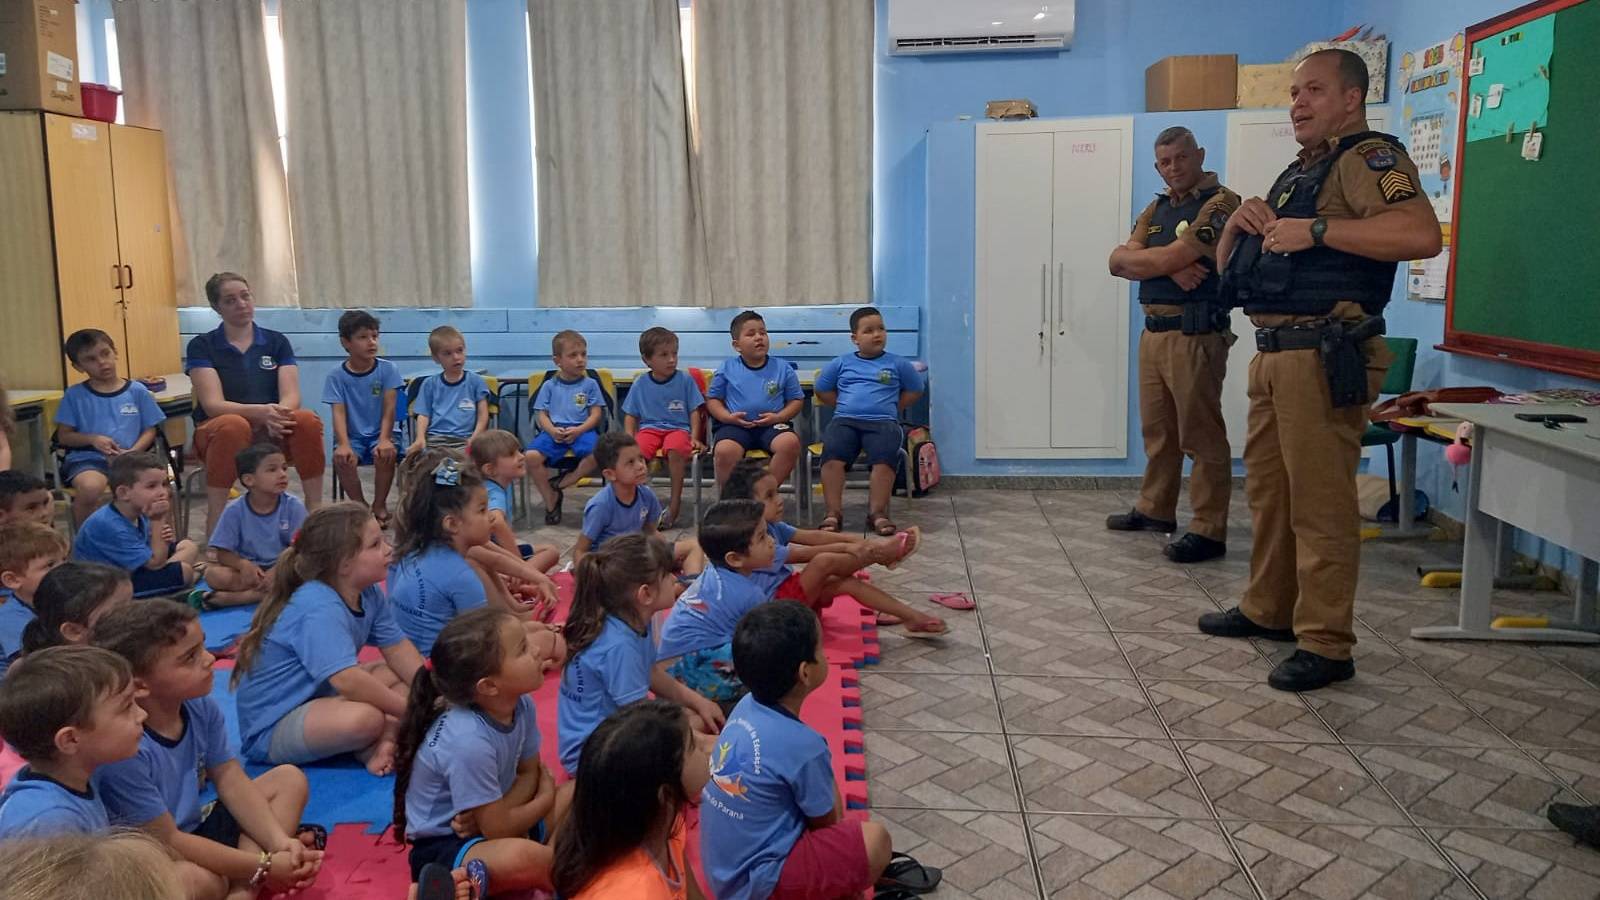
(1319, 227)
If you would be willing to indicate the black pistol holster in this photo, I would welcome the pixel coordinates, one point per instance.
(1204, 317)
(1343, 361)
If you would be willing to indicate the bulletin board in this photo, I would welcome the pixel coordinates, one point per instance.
(1524, 281)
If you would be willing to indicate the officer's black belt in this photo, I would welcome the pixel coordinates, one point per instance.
(1308, 335)
(1159, 324)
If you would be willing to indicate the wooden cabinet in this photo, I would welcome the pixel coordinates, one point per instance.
(89, 246)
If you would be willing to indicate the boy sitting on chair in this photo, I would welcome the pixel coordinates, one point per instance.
(569, 409)
(363, 392)
(754, 398)
(664, 411)
(100, 418)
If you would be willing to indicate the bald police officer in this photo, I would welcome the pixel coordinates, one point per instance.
(1313, 265)
(1183, 352)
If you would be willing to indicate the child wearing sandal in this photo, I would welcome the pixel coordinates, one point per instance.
(624, 837)
(247, 839)
(498, 456)
(362, 393)
(867, 389)
(619, 589)
(252, 530)
(302, 694)
(771, 819)
(568, 410)
(469, 787)
(665, 412)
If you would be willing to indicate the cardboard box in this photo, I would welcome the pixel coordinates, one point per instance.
(1192, 82)
(1374, 53)
(39, 56)
(1265, 87)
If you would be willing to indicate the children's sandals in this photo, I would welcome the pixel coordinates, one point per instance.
(906, 874)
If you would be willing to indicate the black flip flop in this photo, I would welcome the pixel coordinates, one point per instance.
(552, 516)
(905, 873)
(319, 835)
(435, 883)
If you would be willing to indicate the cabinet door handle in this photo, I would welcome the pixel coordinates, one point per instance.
(116, 273)
(1044, 302)
(130, 276)
(1061, 298)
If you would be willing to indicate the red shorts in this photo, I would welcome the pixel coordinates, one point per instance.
(826, 863)
(652, 440)
(791, 589)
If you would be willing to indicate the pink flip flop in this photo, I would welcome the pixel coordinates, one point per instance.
(957, 600)
(910, 539)
(887, 619)
(932, 628)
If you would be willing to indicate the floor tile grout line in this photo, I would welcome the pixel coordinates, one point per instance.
(1161, 722)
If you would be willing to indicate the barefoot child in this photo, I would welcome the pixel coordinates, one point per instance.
(28, 551)
(665, 411)
(70, 600)
(302, 695)
(611, 648)
(626, 504)
(100, 418)
(771, 819)
(247, 840)
(469, 756)
(452, 407)
(569, 408)
(134, 531)
(754, 398)
(499, 458)
(252, 530)
(624, 838)
(362, 392)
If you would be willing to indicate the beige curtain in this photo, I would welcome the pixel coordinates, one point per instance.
(198, 72)
(616, 207)
(783, 102)
(378, 151)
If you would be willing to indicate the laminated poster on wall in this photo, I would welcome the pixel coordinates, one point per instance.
(1511, 88)
(1430, 87)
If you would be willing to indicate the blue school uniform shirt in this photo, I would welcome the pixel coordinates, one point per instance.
(869, 388)
(452, 409)
(706, 614)
(769, 578)
(428, 589)
(466, 760)
(755, 391)
(164, 776)
(249, 377)
(600, 679)
(568, 402)
(258, 538)
(606, 517)
(121, 415)
(108, 537)
(35, 805)
(14, 617)
(316, 637)
(663, 404)
(499, 497)
(770, 773)
(362, 396)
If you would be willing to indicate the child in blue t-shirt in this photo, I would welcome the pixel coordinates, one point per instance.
(611, 651)
(28, 551)
(665, 412)
(67, 711)
(363, 393)
(771, 817)
(184, 734)
(252, 530)
(754, 398)
(498, 456)
(626, 504)
(452, 407)
(70, 600)
(868, 388)
(25, 498)
(100, 418)
(134, 531)
(296, 671)
(470, 754)
(569, 408)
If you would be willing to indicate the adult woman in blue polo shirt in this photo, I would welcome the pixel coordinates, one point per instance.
(246, 390)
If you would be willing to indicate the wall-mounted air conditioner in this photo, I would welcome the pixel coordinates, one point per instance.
(979, 26)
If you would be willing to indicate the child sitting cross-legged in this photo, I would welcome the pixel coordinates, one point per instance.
(612, 651)
(771, 819)
(437, 573)
(499, 458)
(252, 530)
(302, 694)
(70, 600)
(28, 551)
(363, 392)
(247, 840)
(624, 837)
(134, 531)
(569, 408)
(665, 412)
(24, 498)
(470, 790)
(626, 504)
(100, 418)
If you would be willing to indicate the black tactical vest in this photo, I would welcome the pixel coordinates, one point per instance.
(1311, 281)
(1164, 224)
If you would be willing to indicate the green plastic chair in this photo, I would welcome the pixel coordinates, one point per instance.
(1397, 381)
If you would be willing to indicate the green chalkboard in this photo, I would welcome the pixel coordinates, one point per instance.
(1526, 269)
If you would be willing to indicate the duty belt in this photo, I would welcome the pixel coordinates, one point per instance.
(1204, 318)
(1308, 335)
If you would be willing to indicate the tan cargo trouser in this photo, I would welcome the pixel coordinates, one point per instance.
(1180, 408)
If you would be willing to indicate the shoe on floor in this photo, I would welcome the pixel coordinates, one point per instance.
(1235, 624)
(1582, 822)
(1307, 671)
(1193, 548)
(1133, 520)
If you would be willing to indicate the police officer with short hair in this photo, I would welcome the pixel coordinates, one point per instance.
(1313, 265)
(1183, 352)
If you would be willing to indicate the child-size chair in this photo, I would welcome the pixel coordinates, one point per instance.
(402, 425)
(658, 463)
(536, 380)
(1397, 381)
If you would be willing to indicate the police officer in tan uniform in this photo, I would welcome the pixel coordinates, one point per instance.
(1313, 265)
(1183, 352)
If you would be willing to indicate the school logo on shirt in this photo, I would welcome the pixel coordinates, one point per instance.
(885, 376)
(580, 399)
(674, 406)
(465, 404)
(772, 389)
(268, 363)
(733, 784)
(128, 409)
(377, 389)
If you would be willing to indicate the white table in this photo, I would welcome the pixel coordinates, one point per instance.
(1543, 481)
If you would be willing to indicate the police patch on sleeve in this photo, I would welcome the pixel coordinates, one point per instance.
(1380, 158)
(1397, 186)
